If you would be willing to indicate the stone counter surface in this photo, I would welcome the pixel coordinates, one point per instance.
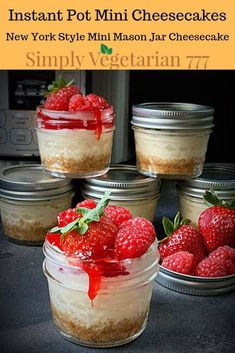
(178, 323)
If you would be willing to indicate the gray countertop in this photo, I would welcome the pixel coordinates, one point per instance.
(177, 322)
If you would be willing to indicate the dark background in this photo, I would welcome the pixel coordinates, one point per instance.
(213, 88)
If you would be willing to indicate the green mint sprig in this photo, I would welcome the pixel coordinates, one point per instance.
(81, 224)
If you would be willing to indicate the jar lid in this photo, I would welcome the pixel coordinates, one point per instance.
(219, 177)
(28, 182)
(124, 182)
(169, 115)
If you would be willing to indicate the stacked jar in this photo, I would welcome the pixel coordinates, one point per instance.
(128, 188)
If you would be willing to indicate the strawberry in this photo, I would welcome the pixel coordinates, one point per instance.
(86, 233)
(132, 242)
(217, 223)
(180, 261)
(59, 94)
(98, 238)
(210, 267)
(226, 255)
(54, 239)
(181, 236)
(117, 214)
(55, 102)
(87, 203)
(140, 222)
(67, 216)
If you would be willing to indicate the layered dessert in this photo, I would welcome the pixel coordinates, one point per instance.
(100, 264)
(75, 133)
(170, 153)
(28, 222)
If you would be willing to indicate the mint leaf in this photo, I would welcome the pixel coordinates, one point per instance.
(103, 48)
(109, 51)
(211, 199)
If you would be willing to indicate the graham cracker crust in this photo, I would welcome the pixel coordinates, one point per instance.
(173, 166)
(25, 231)
(85, 165)
(110, 331)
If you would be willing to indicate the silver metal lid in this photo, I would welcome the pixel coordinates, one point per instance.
(169, 115)
(217, 176)
(28, 182)
(204, 286)
(124, 182)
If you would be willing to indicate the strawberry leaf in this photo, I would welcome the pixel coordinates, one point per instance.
(177, 221)
(167, 225)
(185, 221)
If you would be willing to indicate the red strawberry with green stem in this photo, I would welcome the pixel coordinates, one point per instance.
(217, 223)
(181, 236)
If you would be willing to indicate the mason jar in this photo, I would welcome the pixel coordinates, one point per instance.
(138, 193)
(171, 138)
(116, 313)
(30, 202)
(75, 144)
(219, 177)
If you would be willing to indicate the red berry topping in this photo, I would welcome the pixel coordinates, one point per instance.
(99, 238)
(117, 214)
(180, 261)
(87, 203)
(210, 267)
(56, 102)
(67, 216)
(132, 242)
(227, 256)
(181, 237)
(140, 222)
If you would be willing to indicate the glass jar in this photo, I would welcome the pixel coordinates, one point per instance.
(138, 193)
(30, 202)
(117, 313)
(75, 144)
(219, 177)
(171, 138)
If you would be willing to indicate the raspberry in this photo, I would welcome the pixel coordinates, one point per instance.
(97, 102)
(226, 255)
(79, 103)
(87, 204)
(68, 92)
(132, 242)
(180, 261)
(140, 222)
(56, 102)
(117, 214)
(210, 267)
(67, 216)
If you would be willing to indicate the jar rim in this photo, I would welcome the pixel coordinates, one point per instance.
(57, 114)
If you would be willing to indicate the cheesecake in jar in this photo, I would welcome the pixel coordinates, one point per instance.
(171, 138)
(100, 277)
(75, 134)
(30, 202)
